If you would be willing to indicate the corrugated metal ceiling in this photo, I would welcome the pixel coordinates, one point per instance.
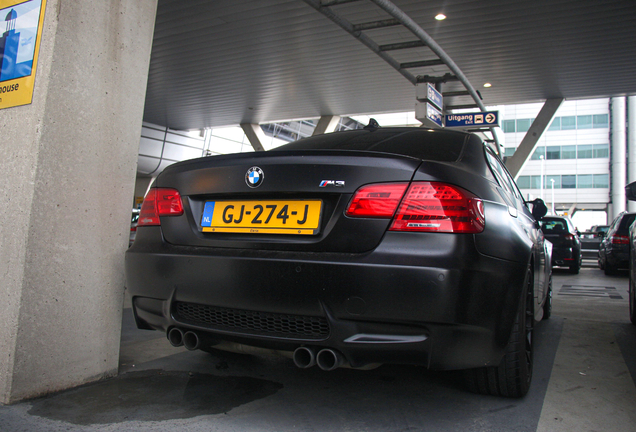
(225, 62)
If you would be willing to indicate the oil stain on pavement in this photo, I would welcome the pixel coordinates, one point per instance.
(152, 395)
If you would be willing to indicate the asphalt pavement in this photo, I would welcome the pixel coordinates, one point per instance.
(584, 380)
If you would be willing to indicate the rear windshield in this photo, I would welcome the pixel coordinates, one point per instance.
(553, 225)
(417, 143)
(626, 221)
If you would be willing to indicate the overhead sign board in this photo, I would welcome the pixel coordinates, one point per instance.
(428, 93)
(434, 96)
(428, 114)
(490, 118)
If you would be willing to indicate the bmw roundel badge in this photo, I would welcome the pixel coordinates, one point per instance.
(254, 177)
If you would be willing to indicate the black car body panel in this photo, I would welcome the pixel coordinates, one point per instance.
(438, 299)
(613, 250)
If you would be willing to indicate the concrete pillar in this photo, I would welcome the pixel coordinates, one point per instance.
(631, 146)
(255, 135)
(618, 155)
(326, 124)
(67, 172)
(516, 162)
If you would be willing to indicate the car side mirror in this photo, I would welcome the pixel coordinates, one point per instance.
(539, 209)
(630, 191)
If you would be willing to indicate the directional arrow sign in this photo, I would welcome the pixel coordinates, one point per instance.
(490, 118)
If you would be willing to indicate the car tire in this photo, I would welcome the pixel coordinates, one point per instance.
(575, 268)
(609, 269)
(513, 375)
(547, 306)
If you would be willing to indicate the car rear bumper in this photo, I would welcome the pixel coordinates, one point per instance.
(400, 303)
(565, 256)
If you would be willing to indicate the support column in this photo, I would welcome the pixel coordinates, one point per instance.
(631, 146)
(326, 124)
(529, 142)
(255, 135)
(618, 154)
(67, 173)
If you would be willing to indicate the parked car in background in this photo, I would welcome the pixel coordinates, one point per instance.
(566, 246)
(379, 245)
(613, 252)
(596, 232)
(590, 241)
(630, 193)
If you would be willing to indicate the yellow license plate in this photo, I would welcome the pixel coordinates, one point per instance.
(262, 217)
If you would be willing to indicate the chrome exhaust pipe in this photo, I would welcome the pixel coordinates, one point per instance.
(175, 336)
(304, 357)
(328, 359)
(191, 340)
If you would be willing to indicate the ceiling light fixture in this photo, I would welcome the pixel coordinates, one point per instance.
(440, 17)
(487, 85)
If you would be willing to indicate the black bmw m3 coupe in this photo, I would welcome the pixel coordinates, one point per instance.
(382, 245)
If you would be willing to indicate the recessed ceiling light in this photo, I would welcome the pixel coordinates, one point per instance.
(487, 85)
(440, 17)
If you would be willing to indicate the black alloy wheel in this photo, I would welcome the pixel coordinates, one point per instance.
(513, 376)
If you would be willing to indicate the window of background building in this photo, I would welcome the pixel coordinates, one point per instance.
(539, 151)
(568, 123)
(585, 151)
(557, 181)
(568, 182)
(601, 121)
(553, 152)
(509, 126)
(524, 124)
(523, 182)
(568, 152)
(585, 181)
(535, 182)
(555, 125)
(601, 150)
(584, 122)
(601, 181)
(595, 121)
(509, 151)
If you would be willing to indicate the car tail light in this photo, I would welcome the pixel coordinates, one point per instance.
(439, 207)
(159, 202)
(377, 200)
(426, 206)
(620, 239)
(569, 237)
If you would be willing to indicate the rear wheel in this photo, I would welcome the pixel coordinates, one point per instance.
(513, 375)
(575, 268)
(609, 269)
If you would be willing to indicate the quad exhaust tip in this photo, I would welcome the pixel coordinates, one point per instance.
(175, 336)
(304, 357)
(327, 359)
(191, 341)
